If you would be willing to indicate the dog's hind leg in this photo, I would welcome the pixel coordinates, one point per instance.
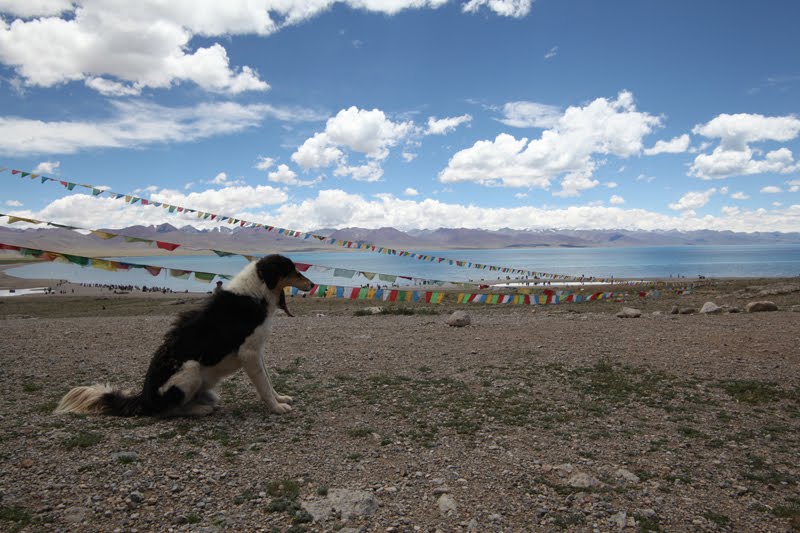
(181, 390)
(207, 397)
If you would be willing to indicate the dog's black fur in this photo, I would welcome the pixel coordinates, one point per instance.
(207, 335)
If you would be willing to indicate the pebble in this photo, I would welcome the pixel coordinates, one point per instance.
(446, 504)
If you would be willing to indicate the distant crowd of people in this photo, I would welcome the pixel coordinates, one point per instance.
(123, 289)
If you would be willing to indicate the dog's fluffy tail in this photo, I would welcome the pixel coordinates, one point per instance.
(101, 400)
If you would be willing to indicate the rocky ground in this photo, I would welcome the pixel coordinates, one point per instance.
(535, 418)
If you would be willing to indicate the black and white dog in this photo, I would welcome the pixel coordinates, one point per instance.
(203, 346)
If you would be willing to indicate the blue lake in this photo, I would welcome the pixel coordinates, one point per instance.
(621, 263)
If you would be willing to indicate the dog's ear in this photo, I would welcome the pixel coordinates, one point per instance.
(270, 271)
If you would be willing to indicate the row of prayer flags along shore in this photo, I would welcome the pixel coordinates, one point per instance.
(332, 291)
(136, 200)
(303, 267)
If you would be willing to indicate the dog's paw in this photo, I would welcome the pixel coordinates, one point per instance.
(283, 399)
(280, 408)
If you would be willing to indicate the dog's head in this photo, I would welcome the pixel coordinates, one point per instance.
(278, 272)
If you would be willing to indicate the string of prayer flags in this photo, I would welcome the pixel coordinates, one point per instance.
(327, 240)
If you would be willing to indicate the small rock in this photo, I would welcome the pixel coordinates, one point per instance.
(125, 457)
(444, 489)
(620, 519)
(687, 311)
(627, 475)
(711, 308)
(75, 515)
(629, 312)
(472, 525)
(374, 310)
(759, 307)
(446, 504)
(136, 497)
(459, 319)
(675, 310)
(582, 481)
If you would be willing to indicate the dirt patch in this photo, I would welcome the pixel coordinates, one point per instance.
(530, 418)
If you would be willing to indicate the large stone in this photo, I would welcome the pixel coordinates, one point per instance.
(629, 312)
(758, 307)
(711, 308)
(349, 503)
(581, 480)
(459, 319)
(446, 504)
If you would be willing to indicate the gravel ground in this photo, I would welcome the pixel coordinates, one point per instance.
(530, 419)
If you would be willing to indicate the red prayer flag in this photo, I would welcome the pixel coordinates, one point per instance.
(167, 245)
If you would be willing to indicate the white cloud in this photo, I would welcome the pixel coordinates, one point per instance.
(283, 174)
(410, 191)
(232, 199)
(506, 8)
(369, 133)
(264, 163)
(734, 155)
(693, 200)
(154, 44)
(771, 189)
(611, 184)
(730, 210)
(551, 53)
(616, 200)
(776, 204)
(408, 156)
(47, 168)
(111, 88)
(35, 8)
(339, 209)
(13, 203)
(443, 126)
(136, 123)
(530, 115)
(521, 195)
(794, 185)
(643, 178)
(605, 127)
(220, 179)
(676, 145)
(739, 196)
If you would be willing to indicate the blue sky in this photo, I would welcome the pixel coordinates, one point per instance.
(406, 113)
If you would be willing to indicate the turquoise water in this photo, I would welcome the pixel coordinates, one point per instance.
(621, 263)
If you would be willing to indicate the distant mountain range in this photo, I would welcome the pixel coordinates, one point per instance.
(254, 240)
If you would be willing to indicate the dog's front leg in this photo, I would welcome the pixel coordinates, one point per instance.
(256, 369)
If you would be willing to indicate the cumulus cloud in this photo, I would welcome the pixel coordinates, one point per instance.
(530, 115)
(283, 174)
(616, 200)
(264, 163)
(13, 203)
(693, 200)
(676, 145)
(734, 156)
(739, 196)
(136, 123)
(51, 42)
(794, 185)
(771, 189)
(566, 150)
(410, 191)
(442, 126)
(47, 168)
(551, 53)
(506, 8)
(369, 134)
(339, 209)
